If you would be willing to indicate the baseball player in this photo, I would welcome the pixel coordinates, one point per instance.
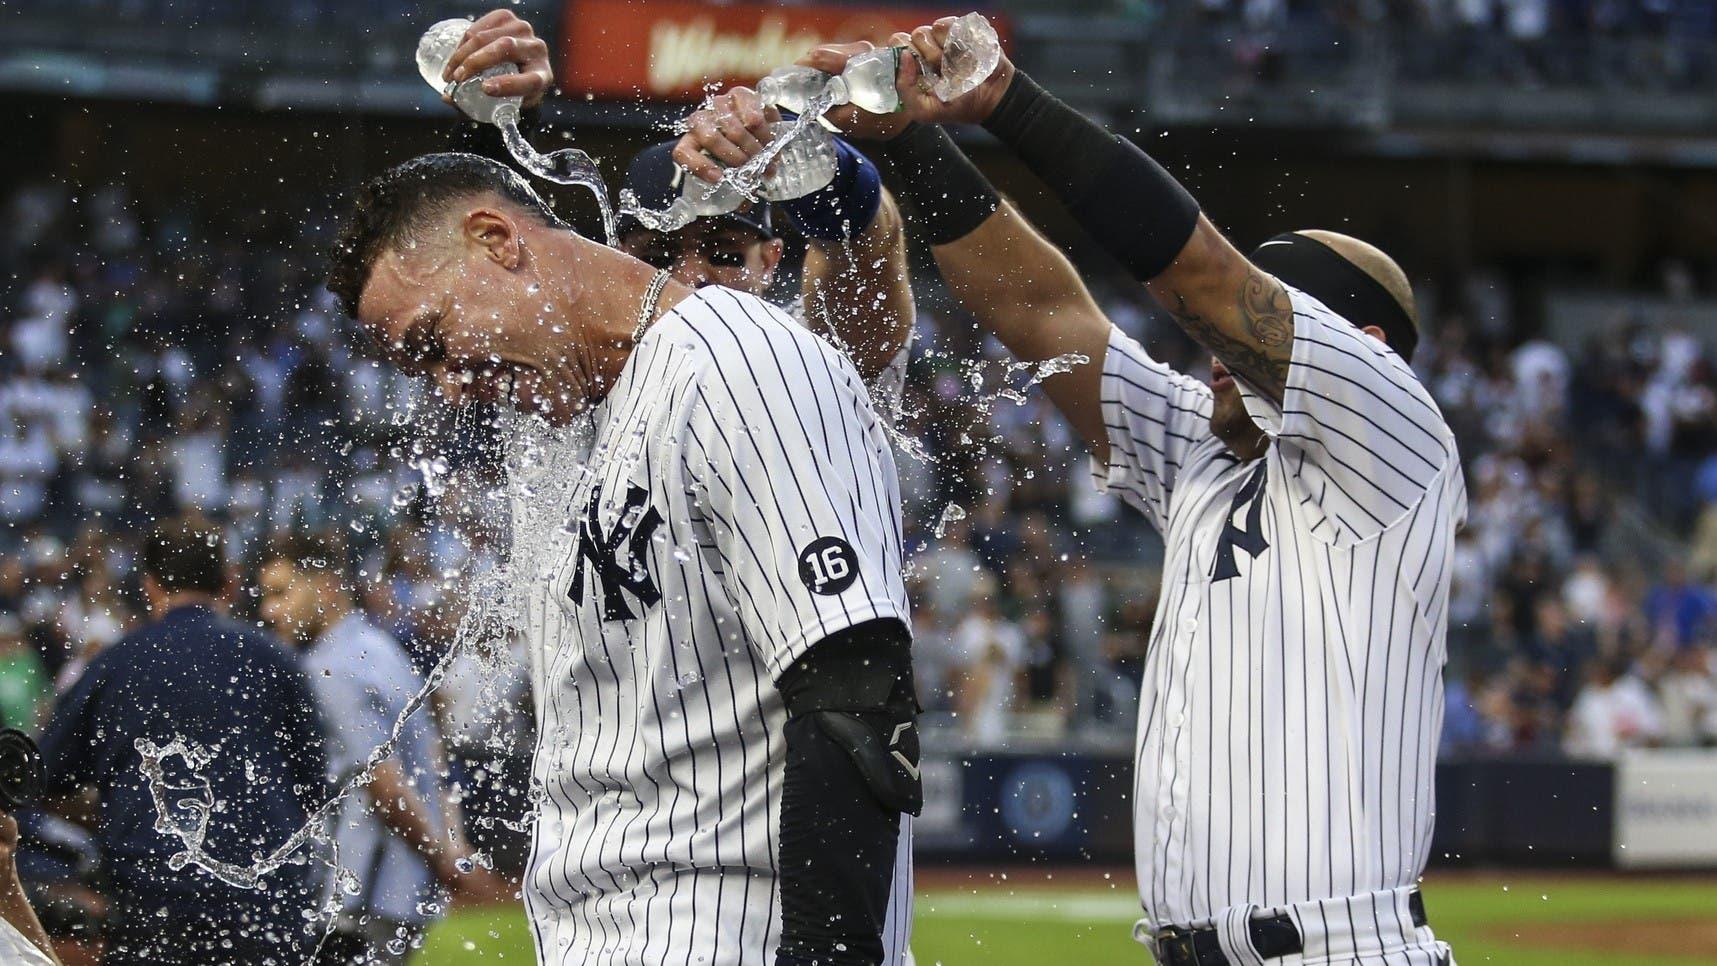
(1308, 497)
(727, 728)
(855, 285)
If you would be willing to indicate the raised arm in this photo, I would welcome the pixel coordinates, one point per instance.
(1138, 417)
(499, 37)
(1132, 207)
(855, 284)
(1037, 306)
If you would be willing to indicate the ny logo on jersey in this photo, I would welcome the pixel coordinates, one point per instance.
(637, 522)
(1251, 539)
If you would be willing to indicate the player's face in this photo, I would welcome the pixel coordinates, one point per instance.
(290, 602)
(482, 331)
(709, 252)
(1229, 420)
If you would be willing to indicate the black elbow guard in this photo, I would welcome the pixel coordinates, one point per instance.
(856, 686)
(851, 770)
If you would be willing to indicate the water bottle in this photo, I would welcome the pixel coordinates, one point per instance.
(805, 165)
(866, 83)
(436, 47)
(970, 56)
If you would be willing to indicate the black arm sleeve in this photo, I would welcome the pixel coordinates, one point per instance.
(1132, 207)
(852, 769)
(475, 137)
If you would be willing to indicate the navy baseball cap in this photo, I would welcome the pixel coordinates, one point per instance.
(655, 179)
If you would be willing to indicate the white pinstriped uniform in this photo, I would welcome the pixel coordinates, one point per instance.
(733, 439)
(1293, 690)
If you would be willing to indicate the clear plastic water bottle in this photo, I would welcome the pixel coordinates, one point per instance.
(805, 165)
(969, 57)
(569, 166)
(867, 83)
(436, 47)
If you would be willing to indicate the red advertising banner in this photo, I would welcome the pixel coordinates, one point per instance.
(670, 50)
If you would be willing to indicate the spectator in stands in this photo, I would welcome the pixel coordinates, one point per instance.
(28, 463)
(1560, 647)
(989, 676)
(1464, 727)
(1615, 710)
(953, 571)
(195, 675)
(1083, 612)
(1680, 609)
(1687, 690)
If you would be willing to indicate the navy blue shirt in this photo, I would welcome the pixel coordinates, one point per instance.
(216, 683)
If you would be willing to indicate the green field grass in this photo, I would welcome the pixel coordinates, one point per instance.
(999, 924)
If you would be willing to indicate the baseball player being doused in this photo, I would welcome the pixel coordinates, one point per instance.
(726, 724)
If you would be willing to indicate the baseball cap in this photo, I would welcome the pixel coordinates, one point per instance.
(655, 179)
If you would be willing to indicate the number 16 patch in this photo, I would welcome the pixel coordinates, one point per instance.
(828, 565)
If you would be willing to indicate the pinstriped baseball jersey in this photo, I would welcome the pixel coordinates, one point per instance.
(739, 504)
(1292, 692)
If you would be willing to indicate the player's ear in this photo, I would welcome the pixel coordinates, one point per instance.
(1376, 332)
(495, 234)
(771, 258)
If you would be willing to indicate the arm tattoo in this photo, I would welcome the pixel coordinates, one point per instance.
(1256, 340)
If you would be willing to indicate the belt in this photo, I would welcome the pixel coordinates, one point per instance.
(1272, 937)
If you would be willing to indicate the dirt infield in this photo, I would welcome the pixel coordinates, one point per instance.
(1693, 938)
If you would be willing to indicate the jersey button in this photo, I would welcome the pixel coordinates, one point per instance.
(1177, 719)
(1188, 625)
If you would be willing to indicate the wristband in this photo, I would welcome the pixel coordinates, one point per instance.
(846, 206)
(1132, 207)
(951, 195)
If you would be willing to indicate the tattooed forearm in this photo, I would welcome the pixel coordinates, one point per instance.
(1256, 340)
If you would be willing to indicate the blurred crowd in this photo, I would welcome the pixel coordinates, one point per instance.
(1584, 607)
(154, 364)
(1648, 44)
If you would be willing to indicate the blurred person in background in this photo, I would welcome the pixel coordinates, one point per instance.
(1615, 710)
(402, 837)
(990, 672)
(1687, 689)
(1082, 612)
(1679, 608)
(196, 675)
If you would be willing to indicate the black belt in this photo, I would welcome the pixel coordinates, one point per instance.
(1272, 936)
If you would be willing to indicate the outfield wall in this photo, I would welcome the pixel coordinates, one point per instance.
(1647, 810)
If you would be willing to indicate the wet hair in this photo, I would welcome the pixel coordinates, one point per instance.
(401, 205)
(186, 554)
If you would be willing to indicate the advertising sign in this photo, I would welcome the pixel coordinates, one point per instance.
(671, 50)
(1666, 809)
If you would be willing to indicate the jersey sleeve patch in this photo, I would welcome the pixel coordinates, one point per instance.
(828, 566)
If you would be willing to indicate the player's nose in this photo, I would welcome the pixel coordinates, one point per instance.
(691, 271)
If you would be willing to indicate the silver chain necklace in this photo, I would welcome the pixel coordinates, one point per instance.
(647, 309)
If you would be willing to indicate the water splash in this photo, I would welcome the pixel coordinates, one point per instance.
(568, 166)
(738, 185)
(494, 607)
